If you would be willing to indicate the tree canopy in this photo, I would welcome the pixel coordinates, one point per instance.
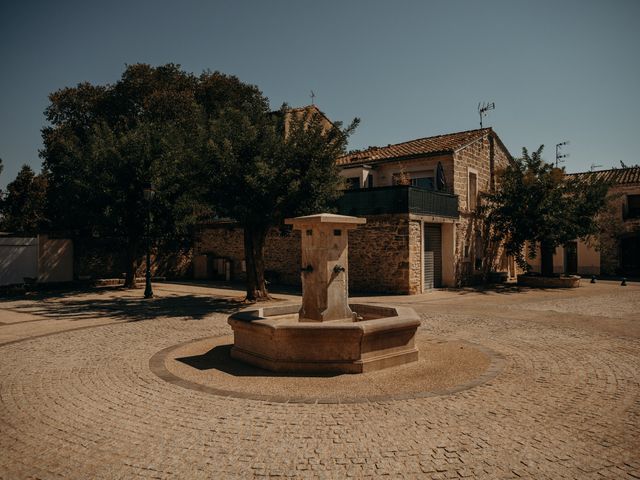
(209, 145)
(538, 203)
(105, 144)
(22, 207)
(271, 166)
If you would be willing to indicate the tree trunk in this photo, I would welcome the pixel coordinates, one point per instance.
(546, 259)
(254, 239)
(132, 264)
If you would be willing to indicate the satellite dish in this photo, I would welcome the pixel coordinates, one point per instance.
(441, 183)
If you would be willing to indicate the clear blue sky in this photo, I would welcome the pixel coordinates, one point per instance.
(556, 70)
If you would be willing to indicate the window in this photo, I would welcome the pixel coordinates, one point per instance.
(423, 182)
(479, 251)
(472, 199)
(633, 206)
(369, 181)
(422, 179)
(353, 183)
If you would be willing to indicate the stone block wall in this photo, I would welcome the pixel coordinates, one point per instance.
(608, 243)
(379, 255)
(384, 254)
(415, 257)
(475, 157)
(282, 251)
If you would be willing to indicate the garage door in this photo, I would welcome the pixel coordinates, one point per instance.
(432, 256)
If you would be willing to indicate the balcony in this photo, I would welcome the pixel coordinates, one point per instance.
(398, 199)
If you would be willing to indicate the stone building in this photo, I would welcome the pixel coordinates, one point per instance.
(616, 251)
(419, 198)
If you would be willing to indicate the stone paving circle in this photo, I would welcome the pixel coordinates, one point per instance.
(79, 399)
(444, 367)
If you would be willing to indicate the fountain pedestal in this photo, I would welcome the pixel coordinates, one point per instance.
(326, 333)
(325, 258)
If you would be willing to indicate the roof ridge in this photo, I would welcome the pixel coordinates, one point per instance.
(612, 169)
(427, 138)
(390, 145)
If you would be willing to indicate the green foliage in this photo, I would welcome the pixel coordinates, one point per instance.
(260, 175)
(538, 203)
(265, 167)
(208, 144)
(104, 144)
(23, 206)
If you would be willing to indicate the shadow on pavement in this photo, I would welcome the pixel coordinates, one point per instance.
(497, 288)
(219, 358)
(133, 309)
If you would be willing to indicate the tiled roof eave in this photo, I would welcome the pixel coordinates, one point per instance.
(398, 158)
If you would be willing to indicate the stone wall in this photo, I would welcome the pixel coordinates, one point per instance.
(475, 157)
(282, 251)
(616, 227)
(380, 256)
(415, 257)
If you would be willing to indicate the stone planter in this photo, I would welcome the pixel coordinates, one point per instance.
(570, 281)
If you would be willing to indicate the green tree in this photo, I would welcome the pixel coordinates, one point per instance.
(23, 205)
(538, 203)
(105, 144)
(266, 167)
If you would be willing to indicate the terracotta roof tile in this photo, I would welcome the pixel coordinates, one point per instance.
(423, 146)
(616, 175)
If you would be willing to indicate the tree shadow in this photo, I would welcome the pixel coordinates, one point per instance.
(189, 307)
(506, 289)
(219, 358)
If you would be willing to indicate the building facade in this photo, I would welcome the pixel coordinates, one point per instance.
(616, 250)
(422, 232)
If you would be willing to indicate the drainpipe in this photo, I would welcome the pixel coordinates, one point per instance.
(492, 183)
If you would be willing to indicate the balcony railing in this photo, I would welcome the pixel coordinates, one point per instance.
(398, 199)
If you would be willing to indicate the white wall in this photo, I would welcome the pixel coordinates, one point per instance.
(588, 260)
(18, 259)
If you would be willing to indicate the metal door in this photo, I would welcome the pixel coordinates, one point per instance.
(433, 255)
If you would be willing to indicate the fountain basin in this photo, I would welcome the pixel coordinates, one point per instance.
(274, 338)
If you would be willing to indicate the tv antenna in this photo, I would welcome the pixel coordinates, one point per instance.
(560, 156)
(594, 166)
(483, 108)
(313, 95)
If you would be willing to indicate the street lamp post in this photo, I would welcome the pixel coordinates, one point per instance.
(149, 192)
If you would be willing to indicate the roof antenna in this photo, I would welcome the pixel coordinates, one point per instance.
(560, 156)
(594, 166)
(483, 108)
(313, 95)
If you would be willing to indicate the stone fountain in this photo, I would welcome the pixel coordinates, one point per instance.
(325, 333)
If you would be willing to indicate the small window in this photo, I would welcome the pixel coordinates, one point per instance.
(633, 206)
(337, 232)
(472, 200)
(353, 183)
(423, 182)
(309, 233)
(479, 251)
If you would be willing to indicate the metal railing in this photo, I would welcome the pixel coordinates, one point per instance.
(398, 199)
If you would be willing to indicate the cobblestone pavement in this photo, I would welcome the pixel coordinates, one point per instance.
(83, 403)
